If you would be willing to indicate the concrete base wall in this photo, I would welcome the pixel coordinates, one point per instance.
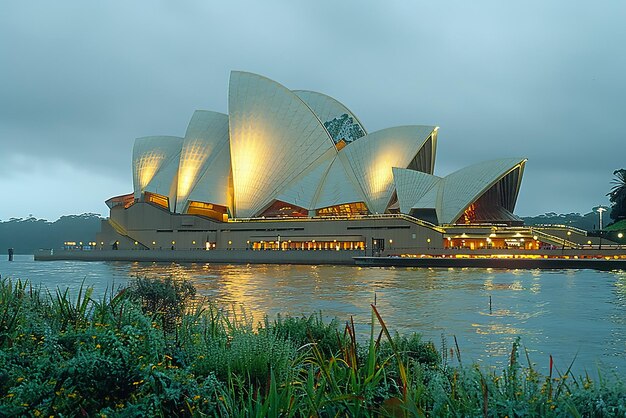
(200, 256)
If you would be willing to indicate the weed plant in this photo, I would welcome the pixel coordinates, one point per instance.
(152, 350)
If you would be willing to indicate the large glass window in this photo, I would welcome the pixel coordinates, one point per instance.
(157, 199)
(347, 209)
(280, 209)
(209, 210)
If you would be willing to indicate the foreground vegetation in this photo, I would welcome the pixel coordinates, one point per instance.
(153, 350)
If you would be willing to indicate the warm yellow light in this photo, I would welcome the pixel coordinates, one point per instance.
(379, 177)
(428, 240)
(390, 241)
(173, 242)
(147, 165)
(153, 242)
(136, 243)
(252, 153)
(535, 237)
(193, 242)
(193, 156)
(589, 242)
(620, 235)
(230, 242)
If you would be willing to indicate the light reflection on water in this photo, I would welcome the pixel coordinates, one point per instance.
(566, 313)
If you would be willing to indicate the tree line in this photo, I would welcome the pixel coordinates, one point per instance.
(27, 235)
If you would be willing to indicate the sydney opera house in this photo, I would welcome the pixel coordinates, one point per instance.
(296, 170)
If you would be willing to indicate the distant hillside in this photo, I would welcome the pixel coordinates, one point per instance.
(27, 235)
(30, 234)
(588, 222)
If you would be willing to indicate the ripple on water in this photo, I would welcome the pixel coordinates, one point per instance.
(567, 313)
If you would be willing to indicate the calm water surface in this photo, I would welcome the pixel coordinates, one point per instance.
(571, 314)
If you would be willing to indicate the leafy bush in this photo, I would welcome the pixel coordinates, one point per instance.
(165, 300)
(305, 330)
(136, 353)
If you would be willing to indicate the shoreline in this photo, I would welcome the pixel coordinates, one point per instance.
(494, 262)
(607, 259)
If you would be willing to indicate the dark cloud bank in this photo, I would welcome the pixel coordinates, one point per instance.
(80, 80)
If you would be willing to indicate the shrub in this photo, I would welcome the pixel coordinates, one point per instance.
(305, 330)
(79, 357)
(165, 300)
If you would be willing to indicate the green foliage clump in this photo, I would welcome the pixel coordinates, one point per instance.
(617, 195)
(136, 353)
(305, 330)
(165, 300)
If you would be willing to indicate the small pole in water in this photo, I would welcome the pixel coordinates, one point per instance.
(10, 254)
(489, 303)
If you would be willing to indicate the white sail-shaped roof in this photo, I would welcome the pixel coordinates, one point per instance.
(373, 156)
(412, 185)
(154, 158)
(299, 147)
(302, 190)
(466, 185)
(327, 108)
(205, 150)
(339, 186)
(274, 137)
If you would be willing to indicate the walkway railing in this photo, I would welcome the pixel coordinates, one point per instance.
(554, 239)
(345, 218)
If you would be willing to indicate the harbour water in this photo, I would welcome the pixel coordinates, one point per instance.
(575, 315)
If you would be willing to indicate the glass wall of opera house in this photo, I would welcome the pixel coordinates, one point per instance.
(298, 173)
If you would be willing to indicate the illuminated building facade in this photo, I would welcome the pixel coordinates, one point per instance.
(297, 170)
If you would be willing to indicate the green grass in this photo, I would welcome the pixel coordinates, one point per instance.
(153, 350)
(617, 226)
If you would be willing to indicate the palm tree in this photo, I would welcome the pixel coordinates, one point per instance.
(617, 195)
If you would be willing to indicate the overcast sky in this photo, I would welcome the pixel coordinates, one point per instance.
(80, 80)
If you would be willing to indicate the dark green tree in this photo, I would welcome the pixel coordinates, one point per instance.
(617, 195)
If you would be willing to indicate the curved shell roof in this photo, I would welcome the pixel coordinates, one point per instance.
(276, 144)
(339, 186)
(274, 137)
(451, 195)
(155, 163)
(325, 107)
(302, 190)
(466, 185)
(205, 150)
(412, 185)
(373, 156)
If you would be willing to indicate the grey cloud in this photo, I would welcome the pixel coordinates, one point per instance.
(81, 80)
